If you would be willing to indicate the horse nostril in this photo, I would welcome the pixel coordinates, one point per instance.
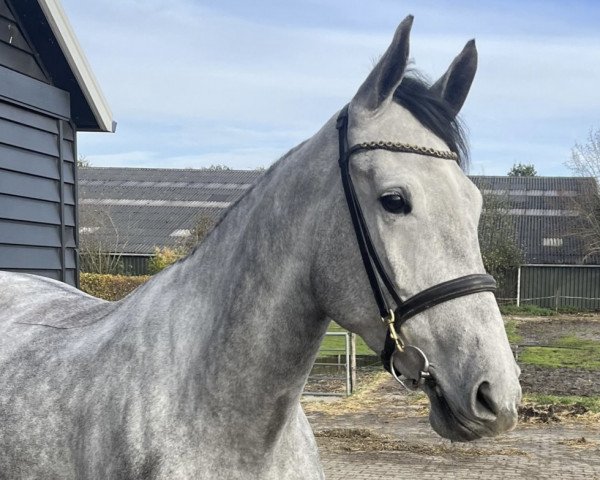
(484, 401)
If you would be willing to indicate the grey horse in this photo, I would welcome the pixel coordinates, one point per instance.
(198, 373)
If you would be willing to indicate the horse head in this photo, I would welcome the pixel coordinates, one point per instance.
(404, 153)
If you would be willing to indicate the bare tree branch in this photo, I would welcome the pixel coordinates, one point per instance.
(585, 162)
(500, 250)
(101, 243)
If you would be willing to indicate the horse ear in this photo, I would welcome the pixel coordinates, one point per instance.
(382, 82)
(455, 84)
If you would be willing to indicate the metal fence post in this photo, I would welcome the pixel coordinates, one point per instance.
(352, 362)
(519, 286)
(348, 368)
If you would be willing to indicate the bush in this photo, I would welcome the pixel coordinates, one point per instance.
(163, 257)
(110, 287)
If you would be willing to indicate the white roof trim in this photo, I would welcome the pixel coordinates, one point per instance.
(59, 23)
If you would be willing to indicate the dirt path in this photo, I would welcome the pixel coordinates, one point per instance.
(545, 331)
(383, 432)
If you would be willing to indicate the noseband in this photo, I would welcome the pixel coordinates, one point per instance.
(415, 366)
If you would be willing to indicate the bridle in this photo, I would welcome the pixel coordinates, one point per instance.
(415, 366)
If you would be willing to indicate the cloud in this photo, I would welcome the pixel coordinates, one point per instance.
(187, 80)
(242, 159)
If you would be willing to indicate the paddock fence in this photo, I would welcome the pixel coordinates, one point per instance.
(334, 372)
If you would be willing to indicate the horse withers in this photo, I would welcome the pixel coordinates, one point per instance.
(199, 372)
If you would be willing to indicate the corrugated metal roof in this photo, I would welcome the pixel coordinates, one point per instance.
(149, 206)
(545, 214)
(146, 205)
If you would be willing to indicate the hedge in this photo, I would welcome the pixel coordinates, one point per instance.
(110, 287)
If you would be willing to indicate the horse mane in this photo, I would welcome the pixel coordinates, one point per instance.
(263, 178)
(434, 113)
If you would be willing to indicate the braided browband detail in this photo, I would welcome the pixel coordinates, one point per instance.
(406, 148)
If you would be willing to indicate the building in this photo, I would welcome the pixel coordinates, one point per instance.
(130, 212)
(545, 211)
(557, 271)
(47, 94)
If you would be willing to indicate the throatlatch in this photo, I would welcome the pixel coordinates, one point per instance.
(415, 366)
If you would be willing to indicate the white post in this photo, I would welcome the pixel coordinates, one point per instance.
(348, 367)
(519, 286)
(352, 362)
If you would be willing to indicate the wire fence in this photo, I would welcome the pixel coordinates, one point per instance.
(334, 372)
(569, 287)
(557, 302)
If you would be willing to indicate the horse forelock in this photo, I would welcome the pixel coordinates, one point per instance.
(434, 113)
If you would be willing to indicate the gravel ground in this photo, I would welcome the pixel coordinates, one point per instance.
(384, 433)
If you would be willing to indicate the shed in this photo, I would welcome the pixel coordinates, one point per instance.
(557, 271)
(128, 212)
(47, 94)
(546, 214)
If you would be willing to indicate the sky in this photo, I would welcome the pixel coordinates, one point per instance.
(194, 83)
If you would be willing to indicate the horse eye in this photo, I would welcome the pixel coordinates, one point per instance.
(395, 203)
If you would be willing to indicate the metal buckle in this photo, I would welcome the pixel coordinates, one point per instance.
(414, 363)
(390, 323)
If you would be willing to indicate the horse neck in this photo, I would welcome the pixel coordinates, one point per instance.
(240, 311)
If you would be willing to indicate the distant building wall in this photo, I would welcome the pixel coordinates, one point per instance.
(135, 264)
(552, 286)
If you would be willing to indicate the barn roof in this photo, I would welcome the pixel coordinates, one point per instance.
(155, 207)
(50, 32)
(545, 213)
(158, 207)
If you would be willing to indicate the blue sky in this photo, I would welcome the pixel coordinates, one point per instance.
(193, 83)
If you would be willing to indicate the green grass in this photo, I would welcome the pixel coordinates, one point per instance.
(591, 403)
(334, 345)
(526, 310)
(567, 352)
(512, 332)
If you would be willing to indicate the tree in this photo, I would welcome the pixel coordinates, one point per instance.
(522, 170)
(203, 225)
(82, 161)
(165, 256)
(162, 258)
(101, 241)
(217, 168)
(497, 239)
(585, 162)
(585, 157)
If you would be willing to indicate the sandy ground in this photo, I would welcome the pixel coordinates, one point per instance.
(383, 432)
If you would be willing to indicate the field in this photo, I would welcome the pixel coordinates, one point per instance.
(335, 344)
(559, 355)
